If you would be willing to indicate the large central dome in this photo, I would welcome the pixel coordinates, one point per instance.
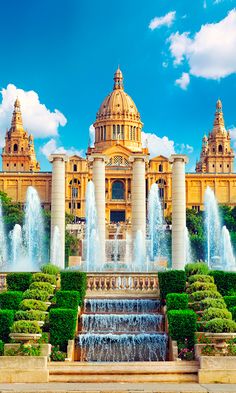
(118, 104)
(118, 119)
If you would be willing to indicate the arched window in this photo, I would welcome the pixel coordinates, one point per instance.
(220, 149)
(160, 168)
(75, 168)
(114, 132)
(104, 133)
(15, 147)
(118, 190)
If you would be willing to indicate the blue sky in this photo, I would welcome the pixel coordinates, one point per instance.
(66, 52)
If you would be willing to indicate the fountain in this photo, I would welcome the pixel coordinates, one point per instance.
(3, 243)
(139, 252)
(218, 243)
(17, 249)
(55, 249)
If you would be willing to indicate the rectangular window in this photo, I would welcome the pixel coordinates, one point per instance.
(74, 192)
(78, 205)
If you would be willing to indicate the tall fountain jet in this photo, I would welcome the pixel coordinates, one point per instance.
(91, 237)
(227, 253)
(3, 243)
(156, 230)
(212, 227)
(18, 254)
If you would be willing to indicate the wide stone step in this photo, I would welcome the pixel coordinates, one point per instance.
(124, 372)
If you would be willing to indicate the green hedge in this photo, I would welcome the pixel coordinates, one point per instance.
(177, 301)
(37, 294)
(10, 300)
(172, 281)
(74, 281)
(18, 281)
(32, 304)
(68, 299)
(233, 312)
(196, 268)
(1, 348)
(62, 326)
(230, 301)
(218, 325)
(6, 322)
(43, 277)
(225, 281)
(182, 326)
(200, 278)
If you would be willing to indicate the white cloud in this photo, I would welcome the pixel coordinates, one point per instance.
(183, 81)
(51, 147)
(184, 148)
(158, 146)
(165, 20)
(232, 132)
(37, 119)
(211, 52)
(91, 135)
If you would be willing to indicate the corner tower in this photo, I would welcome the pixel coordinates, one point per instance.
(118, 120)
(18, 154)
(217, 156)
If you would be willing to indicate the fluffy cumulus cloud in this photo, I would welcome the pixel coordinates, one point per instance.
(166, 20)
(37, 118)
(158, 146)
(211, 52)
(232, 132)
(183, 81)
(51, 147)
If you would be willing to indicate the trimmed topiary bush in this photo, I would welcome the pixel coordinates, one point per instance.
(196, 268)
(172, 281)
(74, 281)
(62, 326)
(209, 302)
(182, 326)
(68, 299)
(43, 277)
(201, 286)
(36, 294)
(211, 313)
(32, 304)
(230, 301)
(31, 327)
(225, 281)
(6, 322)
(10, 300)
(18, 281)
(218, 325)
(200, 295)
(200, 278)
(177, 301)
(49, 268)
(31, 315)
(42, 286)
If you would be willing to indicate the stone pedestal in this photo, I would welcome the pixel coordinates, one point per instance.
(98, 173)
(58, 201)
(178, 210)
(138, 195)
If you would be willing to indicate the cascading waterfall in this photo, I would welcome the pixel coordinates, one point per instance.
(116, 330)
(3, 243)
(188, 248)
(116, 246)
(212, 227)
(33, 229)
(17, 248)
(156, 231)
(56, 257)
(227, 254)
(92, 238)
(139, 252)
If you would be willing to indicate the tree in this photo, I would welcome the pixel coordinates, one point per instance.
(12, 212)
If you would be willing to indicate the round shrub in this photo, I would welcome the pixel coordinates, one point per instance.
(10, 300)
(212, 313)
(209, 302)
(43, 277)
(32, 304)
(49, 268)
(196, 268)
(200, 278)
(36, 294)
(201, 286)
(200, 295)
(43, 286)
(31, 315)
(26, 327)
(177, 301)
(218, 325)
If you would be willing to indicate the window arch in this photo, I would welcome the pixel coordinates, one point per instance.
(15, 147)
(118, 190)
(75, 168)
(160, 168)
(220, 149)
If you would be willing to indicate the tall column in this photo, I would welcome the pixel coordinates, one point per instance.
(178, 210)
(138, 195)
(58, 202)
(98, 172)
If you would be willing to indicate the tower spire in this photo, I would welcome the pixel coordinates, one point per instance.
(219, 117)
(118, 80)
(16, 122)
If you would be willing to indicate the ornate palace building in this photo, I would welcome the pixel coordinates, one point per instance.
(118, 128)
